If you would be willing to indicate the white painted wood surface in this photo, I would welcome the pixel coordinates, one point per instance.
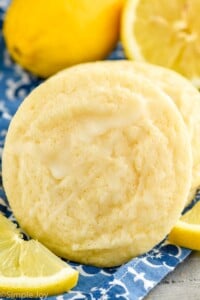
(182, 284)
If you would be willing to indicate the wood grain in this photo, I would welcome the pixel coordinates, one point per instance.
(182, 284)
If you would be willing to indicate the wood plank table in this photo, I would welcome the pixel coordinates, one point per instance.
(181, 284)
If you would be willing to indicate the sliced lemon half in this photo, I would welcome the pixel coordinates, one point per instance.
(186, 232)
(164, 32)
(28, 269)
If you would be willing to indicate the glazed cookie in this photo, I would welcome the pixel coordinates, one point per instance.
(97, 164)
(184, 95)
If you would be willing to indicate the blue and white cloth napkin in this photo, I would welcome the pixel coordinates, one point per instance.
(131, 281)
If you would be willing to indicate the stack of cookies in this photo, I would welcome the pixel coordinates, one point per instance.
(101, 159)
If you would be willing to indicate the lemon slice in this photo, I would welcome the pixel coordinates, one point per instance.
(186, 232)
(164, 32)
(27, 268)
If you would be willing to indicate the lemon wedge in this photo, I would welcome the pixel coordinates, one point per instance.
(186, 232)
(164, 32)
(28, 269)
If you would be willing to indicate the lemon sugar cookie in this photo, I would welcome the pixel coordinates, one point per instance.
(97, 165)
(185, 96)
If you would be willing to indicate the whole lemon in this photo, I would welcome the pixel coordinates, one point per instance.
(46, 36)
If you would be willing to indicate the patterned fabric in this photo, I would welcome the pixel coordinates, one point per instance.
(131, 281)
